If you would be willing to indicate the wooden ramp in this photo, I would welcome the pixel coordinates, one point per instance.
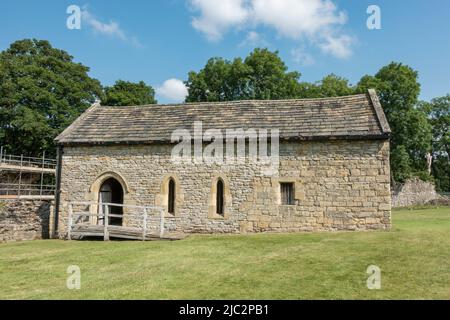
(92, 219)
(81, 231)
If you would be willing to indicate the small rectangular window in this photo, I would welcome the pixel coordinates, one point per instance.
(287, 194)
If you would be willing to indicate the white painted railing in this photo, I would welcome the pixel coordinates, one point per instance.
(140, 219)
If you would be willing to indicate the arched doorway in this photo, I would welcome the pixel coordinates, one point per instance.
(111, 191)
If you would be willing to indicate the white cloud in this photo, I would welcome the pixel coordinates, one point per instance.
(296, 18)
(217, 16)
(111, 29)
(317, 21)
(338, 46)
(254, 39)
(173, 90)
(301, 57)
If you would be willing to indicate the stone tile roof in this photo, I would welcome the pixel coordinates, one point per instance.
(350, 117)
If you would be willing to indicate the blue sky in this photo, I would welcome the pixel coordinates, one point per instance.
(155, 41)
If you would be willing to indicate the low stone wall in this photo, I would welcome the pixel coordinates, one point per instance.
(22, 219)
(414, 192)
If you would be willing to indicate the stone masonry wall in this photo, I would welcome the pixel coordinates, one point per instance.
(414, 192)
(24, 219)
(339, 185)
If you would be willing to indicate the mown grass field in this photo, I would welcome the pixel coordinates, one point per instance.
(414, 258)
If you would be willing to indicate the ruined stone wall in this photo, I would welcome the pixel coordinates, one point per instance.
(339, 185)
(414, 192)
(22, 219)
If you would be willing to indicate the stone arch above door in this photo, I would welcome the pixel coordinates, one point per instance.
(95, 187)
(94, 191)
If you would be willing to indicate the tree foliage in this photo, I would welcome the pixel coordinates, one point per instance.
(124, 93)
(397, 85)
(398, 89)
(262, 75)
(334, 86)
(441, 173)
(269, 77)
(330, 86)
(41, 92)
(400, 164)
(438, 111)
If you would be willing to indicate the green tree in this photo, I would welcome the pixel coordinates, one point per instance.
(219, 80)
(333, 86)
(124, 93)
(441, 173)
(397, 86)
(308, 90)
(438, 111)
(269, 77)
(400, 164)
(398, 89)
(41, 92)
(330, 86)
(262, 75)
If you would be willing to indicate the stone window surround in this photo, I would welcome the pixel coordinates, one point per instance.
(162, 199)
(212, 210)
(299, 193)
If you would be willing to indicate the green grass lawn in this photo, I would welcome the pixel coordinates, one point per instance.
(414, 258)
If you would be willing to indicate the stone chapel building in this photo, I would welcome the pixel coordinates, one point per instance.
(333, 172)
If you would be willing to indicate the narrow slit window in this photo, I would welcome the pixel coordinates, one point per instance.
(171, 198)
(220, 198)
(287, 194)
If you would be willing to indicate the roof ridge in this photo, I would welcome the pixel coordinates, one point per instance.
(241, 101)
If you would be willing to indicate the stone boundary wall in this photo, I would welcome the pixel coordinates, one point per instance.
(24, 219)
(414, 192)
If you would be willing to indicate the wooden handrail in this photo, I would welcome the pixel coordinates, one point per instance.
(103, 213)
(144, 225)
(161, 224)
(86, 203)
(70, 222)
(79, 214)
(105, 222)
(96, 215)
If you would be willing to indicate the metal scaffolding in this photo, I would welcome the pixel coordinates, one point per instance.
(26, 177)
